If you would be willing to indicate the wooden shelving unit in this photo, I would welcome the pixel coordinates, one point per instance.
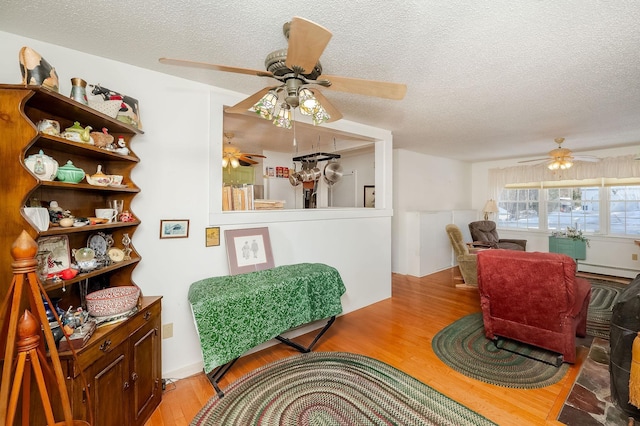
(125, 373)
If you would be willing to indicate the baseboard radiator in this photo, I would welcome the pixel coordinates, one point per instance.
(616, 271)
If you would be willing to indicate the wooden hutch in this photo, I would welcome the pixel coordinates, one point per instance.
(121, 362)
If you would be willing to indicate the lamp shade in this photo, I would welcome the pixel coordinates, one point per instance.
(490, 207)
(283, 119)
(266, 106)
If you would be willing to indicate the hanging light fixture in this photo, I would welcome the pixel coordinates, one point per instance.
(294, 96)
(561, 158)
(307, 102)
(283, 119)
(561, 163)
(266, 106)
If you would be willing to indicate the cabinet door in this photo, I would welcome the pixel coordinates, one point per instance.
(146, 369)
(109, 388)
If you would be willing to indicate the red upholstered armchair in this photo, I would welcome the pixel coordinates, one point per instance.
(534, 298)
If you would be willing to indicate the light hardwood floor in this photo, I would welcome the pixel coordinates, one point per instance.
(397, 331)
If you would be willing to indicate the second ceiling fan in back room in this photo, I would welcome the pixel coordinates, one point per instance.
(299, 73)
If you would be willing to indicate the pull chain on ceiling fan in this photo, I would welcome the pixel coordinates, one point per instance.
(298, 70)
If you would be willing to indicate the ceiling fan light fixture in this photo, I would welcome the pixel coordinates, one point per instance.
(266, 106)
(283, 119)
(320, 116)
(234, 162)
(560, 163)
(307, 102)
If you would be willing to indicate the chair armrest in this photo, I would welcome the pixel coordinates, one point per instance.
(467, 258)
(522, 243)
(485, 244)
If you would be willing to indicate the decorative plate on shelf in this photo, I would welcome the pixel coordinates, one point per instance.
(100, 243)
(115, 254)
(60, 257)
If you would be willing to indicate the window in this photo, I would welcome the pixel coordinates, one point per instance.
(624, 210)
(573, 207)
(518, 208)
(607, 208)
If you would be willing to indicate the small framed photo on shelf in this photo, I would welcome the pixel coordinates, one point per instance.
(369, 196)
(248, 250)
(212, 236)
(176, 228)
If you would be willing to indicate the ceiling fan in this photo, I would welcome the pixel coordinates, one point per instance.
(299, 73)
(561, 158)
(234, 157)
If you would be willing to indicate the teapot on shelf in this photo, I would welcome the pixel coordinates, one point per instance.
(99, 178)
(42, 165)
(77, 133)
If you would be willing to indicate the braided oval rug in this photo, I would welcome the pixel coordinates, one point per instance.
(464, 347)
(604, 295)
(333, 388)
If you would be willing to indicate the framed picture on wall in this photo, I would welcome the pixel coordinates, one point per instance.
(248, 250)
(212, 236)
(369, 196)
(177, 228)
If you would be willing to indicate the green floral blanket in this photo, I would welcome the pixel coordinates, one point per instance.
(236, 313)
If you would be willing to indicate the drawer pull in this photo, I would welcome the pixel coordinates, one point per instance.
(105, 345)
(147, 315)
(125, 386)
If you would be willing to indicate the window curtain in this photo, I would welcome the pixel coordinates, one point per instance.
(611, 167)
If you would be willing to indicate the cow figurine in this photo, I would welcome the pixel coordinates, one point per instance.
(36, 70)
(129, 111)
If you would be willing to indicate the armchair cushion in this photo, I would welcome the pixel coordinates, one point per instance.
(485, 232)
(533, 298)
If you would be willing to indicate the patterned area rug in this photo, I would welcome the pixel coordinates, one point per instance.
(603, 296)
(331, 388)
(464, 347)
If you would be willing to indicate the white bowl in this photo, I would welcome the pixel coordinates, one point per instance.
(112, 301)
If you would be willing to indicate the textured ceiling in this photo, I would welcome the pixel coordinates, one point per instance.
(486, 79)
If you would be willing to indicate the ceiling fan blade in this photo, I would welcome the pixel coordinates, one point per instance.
(587, 158)
(246, 154)
(381, 89)
(333, 112)
(247, 160)
(205, 65)
(307, 41)
(536, 159)
(242, 106)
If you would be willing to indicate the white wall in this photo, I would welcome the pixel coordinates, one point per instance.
(183, 136)
(607, 255)
(424, 183)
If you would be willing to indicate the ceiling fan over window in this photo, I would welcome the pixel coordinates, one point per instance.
(561, 158)
(299, 72)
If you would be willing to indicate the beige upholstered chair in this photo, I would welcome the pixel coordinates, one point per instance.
(466, 262)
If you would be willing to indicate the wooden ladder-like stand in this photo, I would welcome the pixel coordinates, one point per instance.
(24, 343)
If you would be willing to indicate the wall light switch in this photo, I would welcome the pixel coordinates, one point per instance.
(167, 331)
